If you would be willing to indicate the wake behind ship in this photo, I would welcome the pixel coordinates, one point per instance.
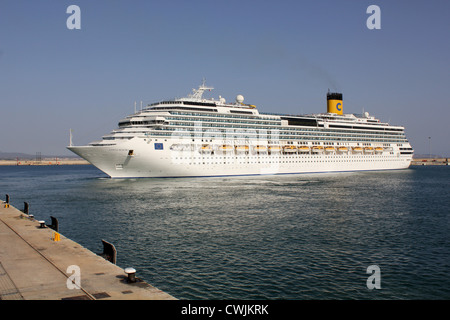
(195, 136)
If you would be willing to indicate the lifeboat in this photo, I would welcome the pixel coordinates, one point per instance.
(379, 149)
(206, 148)
(274, 149)
(180, 147)
(368, 149)
(225, 148)
(342, 149)
(241, 149)
(303, 149)
(329, 149)
(260, 148)
(317, 149)
(357, 149)
(290, 149)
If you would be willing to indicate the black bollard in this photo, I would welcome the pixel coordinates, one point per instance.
(25, 207)
(7, 198)
(54, 225)
(109, 252)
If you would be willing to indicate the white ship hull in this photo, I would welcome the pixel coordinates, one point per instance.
(145, 161)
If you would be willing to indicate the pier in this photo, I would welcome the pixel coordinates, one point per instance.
(38, 263)
(429, 162)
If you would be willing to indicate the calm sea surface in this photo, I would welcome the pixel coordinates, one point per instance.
(290, 237)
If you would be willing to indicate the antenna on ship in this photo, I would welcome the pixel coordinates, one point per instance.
(70, 137)
(198, 93)
(135, 107)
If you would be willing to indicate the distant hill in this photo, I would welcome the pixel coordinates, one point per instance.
(14, 155)
(26, 156)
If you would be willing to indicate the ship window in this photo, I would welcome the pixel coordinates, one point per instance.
(300, 121)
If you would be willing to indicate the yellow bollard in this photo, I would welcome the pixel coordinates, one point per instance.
(6, 205)
(56, 236)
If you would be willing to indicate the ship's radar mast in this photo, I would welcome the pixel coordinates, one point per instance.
(197, 94)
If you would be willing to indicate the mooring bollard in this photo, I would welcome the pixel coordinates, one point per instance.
(109, 252)
(25, 207)
(131, 272)
(42, 224)
(54, 225)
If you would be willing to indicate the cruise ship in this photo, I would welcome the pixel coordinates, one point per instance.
(196, 137)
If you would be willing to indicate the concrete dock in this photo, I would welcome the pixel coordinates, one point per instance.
(33, 266)
(429, 162)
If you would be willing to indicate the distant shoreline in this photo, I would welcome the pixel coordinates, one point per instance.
(430, 162)
(43, 162)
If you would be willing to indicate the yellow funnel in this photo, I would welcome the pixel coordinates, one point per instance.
(334, 103)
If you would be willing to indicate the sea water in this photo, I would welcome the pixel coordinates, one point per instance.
(290, 237)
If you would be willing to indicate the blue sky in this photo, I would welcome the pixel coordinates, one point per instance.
(283, 56)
